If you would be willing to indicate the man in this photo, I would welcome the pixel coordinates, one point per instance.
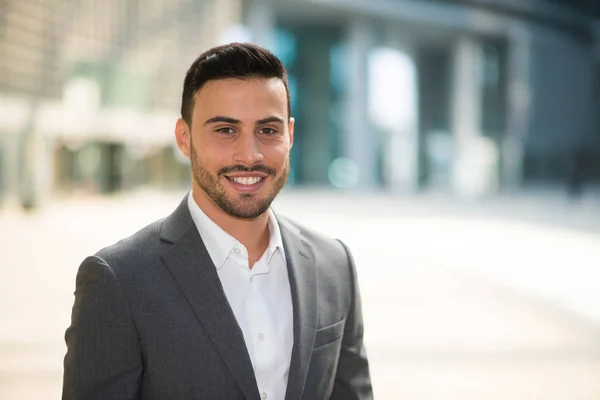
(222, 299)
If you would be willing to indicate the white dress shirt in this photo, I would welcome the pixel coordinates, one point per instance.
(259, 297)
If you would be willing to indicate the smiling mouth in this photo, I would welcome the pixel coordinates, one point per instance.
(246, 181)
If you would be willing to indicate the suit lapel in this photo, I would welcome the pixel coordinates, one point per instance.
(303, 284)
(191, 266)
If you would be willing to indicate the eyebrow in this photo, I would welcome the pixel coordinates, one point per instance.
(269, 120)
(234, 121)
(219, 118)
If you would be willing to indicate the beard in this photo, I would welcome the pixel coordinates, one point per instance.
(246, 206)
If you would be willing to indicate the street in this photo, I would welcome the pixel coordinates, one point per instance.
(460, 301)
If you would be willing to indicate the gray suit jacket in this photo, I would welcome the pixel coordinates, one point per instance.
(151, 321)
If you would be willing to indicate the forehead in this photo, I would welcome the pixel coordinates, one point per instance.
(242, 99)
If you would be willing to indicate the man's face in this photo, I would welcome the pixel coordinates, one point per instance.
(239, 144)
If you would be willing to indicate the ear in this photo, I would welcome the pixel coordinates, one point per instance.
(291, 130)
(182, 136)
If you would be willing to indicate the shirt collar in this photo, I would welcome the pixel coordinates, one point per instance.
(220, 244)
(275, 240)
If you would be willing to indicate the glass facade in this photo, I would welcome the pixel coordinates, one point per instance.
(314, 59)
(586, 7)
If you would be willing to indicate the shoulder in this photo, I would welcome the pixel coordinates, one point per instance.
(314, 237)
(137, 249)
(329, 252)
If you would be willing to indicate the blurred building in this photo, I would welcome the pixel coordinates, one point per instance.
(90, 91)
(469, 96)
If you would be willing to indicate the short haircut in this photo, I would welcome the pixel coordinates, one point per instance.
(234, 60)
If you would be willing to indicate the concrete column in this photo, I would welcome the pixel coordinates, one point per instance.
(360, 146)
(394, 107)
(37, 177)
(475, 163)
(3, 170)
(261, 23)
(9, 166)
(518, 107)
(466, 97)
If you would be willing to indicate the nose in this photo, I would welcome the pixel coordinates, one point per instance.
(248, 150)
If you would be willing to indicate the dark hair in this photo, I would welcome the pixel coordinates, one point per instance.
(234, 60)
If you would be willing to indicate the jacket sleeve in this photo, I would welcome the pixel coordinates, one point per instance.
(104, 358)
(353, 380)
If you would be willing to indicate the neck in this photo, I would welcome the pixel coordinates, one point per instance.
(253, 234)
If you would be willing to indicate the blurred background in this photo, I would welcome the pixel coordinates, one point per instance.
(454, 145)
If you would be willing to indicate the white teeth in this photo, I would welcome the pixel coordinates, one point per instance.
(247, 180)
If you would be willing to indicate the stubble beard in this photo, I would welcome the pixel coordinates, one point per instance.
(243, 205)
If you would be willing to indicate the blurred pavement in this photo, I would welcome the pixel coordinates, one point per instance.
(498, 299)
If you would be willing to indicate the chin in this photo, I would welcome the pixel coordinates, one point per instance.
(247, 206)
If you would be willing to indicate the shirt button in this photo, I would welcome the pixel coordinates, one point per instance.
(261, 336)
(264, 395)
(236, 250)
(251, 278)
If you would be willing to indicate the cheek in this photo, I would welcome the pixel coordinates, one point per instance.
(212, 157)
(277, 155)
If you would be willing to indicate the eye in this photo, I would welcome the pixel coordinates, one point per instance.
(225, 131)
(268, 131)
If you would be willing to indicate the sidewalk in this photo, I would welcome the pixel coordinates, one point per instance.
(538, 243)
(461, 300)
